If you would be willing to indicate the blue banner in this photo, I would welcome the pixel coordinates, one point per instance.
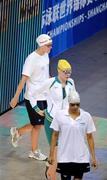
(71, 21)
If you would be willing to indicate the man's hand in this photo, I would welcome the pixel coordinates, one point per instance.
(22, 82)
(13, 102)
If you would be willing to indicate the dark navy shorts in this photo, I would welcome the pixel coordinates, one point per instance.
(72, 169)
(35, 118)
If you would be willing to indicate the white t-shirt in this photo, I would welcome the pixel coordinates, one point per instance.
(72, 136)
(37, 68)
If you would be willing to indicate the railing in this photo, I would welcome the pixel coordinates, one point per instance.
(20, 25)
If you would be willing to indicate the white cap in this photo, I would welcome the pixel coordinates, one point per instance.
(43, 39)
(73, 97)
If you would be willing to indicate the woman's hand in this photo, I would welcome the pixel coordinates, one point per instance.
(94, 163)
(51, 172)
(41, 113)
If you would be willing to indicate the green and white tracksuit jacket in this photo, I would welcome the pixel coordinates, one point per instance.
(56, 95)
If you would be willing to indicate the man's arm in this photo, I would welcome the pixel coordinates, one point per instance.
(22, 82)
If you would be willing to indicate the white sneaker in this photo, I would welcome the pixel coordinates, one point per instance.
(37, 155)
(14, 136)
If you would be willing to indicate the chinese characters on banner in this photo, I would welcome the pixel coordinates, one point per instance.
(61, 18)
(62, 9)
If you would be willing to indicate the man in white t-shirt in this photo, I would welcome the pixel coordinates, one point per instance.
(35, 72)
(71, 128)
